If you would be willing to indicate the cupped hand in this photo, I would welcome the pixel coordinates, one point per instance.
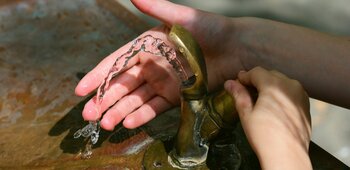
(278, 124)
(150, 86)
(145, 89)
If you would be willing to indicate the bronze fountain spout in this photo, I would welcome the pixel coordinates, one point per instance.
(202, 114)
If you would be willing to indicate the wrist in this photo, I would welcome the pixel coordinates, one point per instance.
(282, 154)
(250, 37)
(240, 45)
(231, 49)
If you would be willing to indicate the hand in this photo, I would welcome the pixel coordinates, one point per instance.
(229, 45)
(149, 86)
(278, 125)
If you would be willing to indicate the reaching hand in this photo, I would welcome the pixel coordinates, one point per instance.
(278, 125)
(138, 94)
(149, 86)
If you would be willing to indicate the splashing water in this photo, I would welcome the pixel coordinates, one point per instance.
(148, 44)
(91, 130)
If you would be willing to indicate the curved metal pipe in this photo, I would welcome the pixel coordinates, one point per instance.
(201, 115)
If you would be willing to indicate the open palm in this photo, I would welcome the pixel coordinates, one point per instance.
(150, 86)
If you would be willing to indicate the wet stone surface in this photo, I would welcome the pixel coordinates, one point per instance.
(45, 48)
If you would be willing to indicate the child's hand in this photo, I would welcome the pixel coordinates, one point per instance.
(278, 125)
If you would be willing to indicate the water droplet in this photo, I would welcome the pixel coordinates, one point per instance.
(202, 143)
(157, 164)
(77, 134)
(87, 152)
(94, 137)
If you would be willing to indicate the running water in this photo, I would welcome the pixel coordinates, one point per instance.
(148, 44)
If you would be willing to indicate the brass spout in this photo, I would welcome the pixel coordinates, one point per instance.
(192, 52)
(202, 115)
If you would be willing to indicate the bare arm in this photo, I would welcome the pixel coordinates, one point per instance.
(321, 62)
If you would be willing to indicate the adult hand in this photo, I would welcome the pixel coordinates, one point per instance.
(229, 45)
(278, 125)
(147, 87)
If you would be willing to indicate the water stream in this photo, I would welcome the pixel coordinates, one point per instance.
(148, 44)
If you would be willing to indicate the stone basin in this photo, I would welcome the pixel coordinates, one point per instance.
(46, 46)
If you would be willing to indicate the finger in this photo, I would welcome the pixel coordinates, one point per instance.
(278, 74)
(243, 101)
(166, 11)
(94, 78)
(256, 77)
(126, 105)
(162, 77)
(146, 112)
(119, 87)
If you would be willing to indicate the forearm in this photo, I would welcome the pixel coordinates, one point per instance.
(277, 148)
(319, 61)
(283, 156)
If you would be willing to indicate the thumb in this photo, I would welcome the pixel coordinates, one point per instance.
(244, 104)
(166, 11)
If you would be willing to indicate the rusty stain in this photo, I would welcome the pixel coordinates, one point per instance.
(38, 108)
(2, 63)
(98, 45)
(2, 49)
(0, 105)
(123, 147)
(87, 23)
(100, 162)
(65, 13)
(21, 96)
(47, 116)
(30, 103)
(61, 15)
(8, 2)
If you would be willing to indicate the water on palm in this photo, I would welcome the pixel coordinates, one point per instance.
(148, 44)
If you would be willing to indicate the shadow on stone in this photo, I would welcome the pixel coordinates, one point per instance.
(73, 121)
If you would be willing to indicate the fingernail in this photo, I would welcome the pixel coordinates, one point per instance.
(80, 89)
(107, 124)
(242, 71)
(129, 123)
(229, 85)
(90, 112)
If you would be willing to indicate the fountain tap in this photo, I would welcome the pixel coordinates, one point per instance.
(202, 114)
